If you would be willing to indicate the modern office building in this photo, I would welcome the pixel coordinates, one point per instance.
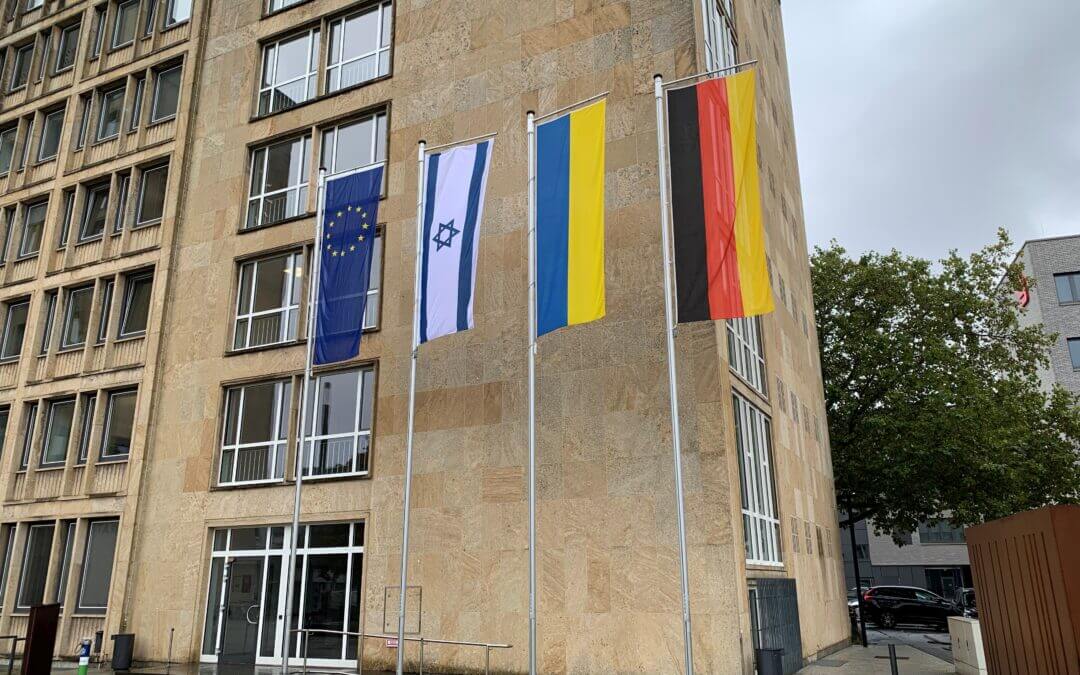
(197, 276)
(1053, 300)
(934, 557)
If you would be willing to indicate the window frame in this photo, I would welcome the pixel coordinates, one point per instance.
(358, 432)
(123, 187)
(130, 283)
(62, 112)
(69, 296)
(91, 191)
(17, 61)
(137, 104)
(51, 298)
(140, 200)
(10, 306)
(43, 461)
(170, 8)
(106, 95)
(74, 29)
(24, 253)
(121, 6)
(278, 443)
(69, 528)
(104, 309)
(385, 11)
(88, 406)
(293, 301)
(20, 608)
(107, 427)
(301, 188)
(1074, 357)
(13, 130)
(759, 505)
(746, 353)
(1073, 281)
(31, 408)
(80, 608)
(158, 74)
(311, 72)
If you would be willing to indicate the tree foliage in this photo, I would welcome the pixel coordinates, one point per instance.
(933, 392)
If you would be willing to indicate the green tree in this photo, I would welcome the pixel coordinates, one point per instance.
(932, 388)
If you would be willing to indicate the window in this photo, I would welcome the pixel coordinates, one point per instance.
(84, 122)
(940, 532)
(355, 144)
(50, 135)
(359, 47)
(35, 568)
(151, 204)
(761, 523)
(123, 185)
(45, 47)
(58, 432)
(14, 331)
(20, 70)
(67, 545)
(77, 317)
(1074, 352)
(97, 566)
(86, 428)
(289, 72)
(9, 548)
(721, 43)
(68, 48)
(341, 419)
(127, 15)
(268, 301)
(166, 94)
(103, 317)
(50, 313)
(33, 4)
(136, 104)
(148, 15)
(136, 307)
(279, 181)
(28, 438)
(33, 223)
(178, 11)
(99, 31)
(119, 424)
(371, 307)
(275, 5)
(254, 437)
(7, 147)
(26, 144)
(69, 214)
(94, 212)
(112, 109)
(5, 413)
(1068, 287)
(8, 226)
(745, 353)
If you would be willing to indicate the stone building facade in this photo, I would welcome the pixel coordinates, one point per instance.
(273, 90)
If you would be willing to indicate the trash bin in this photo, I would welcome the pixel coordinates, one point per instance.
(123, 648)
(770, 661)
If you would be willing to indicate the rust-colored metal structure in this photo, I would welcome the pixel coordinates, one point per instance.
(1027, 584)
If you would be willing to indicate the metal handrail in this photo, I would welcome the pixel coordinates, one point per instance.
(488, 646)
(15, 639)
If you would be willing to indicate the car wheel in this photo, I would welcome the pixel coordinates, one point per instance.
(887, 620)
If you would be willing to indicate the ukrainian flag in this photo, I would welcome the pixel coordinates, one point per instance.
(570, 219)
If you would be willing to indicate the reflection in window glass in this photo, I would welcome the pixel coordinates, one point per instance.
(97, 566)
(119, 425)
(35, 568)
(58, 432)
(77, 317)
(289, 72)
(33, 224)
(136, 308)
(359, 47)
(166, 94)
(14, 330)
(268, 301)
(279, 181)
(339, 428)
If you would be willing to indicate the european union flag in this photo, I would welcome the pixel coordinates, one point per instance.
(350, 213)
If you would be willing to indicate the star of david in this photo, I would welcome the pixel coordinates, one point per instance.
(444, 238)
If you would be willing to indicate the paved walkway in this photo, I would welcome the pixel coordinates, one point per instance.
(857, 659)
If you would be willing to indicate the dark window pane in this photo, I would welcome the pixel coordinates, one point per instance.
(121, 419)
(14, 330)
(58, 432)
(35, 565)
(97, 566)
(166, 94)
(1074, 352)
(136, 305)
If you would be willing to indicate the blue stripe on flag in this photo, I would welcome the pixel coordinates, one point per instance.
(552, 223)
(465, 275)
(425, 241)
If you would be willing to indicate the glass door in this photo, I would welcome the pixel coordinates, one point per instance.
(243, 592)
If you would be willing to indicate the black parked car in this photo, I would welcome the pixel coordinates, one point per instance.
(888, 606)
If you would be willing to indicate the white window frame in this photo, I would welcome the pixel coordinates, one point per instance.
(9, 553)
(120, 8)
(50, 419)
(170, 12)
(32, 5)
(290, 304)
(24, 252)
(761, 518)
(154, 118)
(336, 65)
(105, 310)
(68, 305)
(139, 222)
(379, 120)
(746, 352)
(105, 97)
(45, 129)
(11, 306)
(721, 40)
(123, 186)
(85, 219)
(278, 442)
(20, 608)
(67, 34)
(258, 201)
(32, 409)
(14, 132)
(373, 302)
(129, 294)
(80, 608)
(357, 434)
(86, 428)
(137, 104)
(281, 5)
(19, 51)
(69, 529)
(109, 402)
(310, 76)
(51, 298)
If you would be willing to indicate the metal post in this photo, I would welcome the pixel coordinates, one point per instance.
(858, 580)
(168, 660)
(530, 125)
(894, 668)
(313, 289)
(420, 152)
(487, 660)
(669, 332)
(421, 655)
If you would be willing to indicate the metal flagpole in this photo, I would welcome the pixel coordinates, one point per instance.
(313, 291)
(669, 331)
(530, 125)
(420, 153)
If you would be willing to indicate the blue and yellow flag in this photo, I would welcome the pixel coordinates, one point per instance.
(350, 213)
(570, 219)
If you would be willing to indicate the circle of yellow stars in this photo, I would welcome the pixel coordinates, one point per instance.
(364, 225)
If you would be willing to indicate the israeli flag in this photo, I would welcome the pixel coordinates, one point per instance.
(453, 207)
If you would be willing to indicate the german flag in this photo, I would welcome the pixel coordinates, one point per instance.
(720, 265)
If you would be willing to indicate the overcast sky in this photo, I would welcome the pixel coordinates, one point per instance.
(926, 124)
